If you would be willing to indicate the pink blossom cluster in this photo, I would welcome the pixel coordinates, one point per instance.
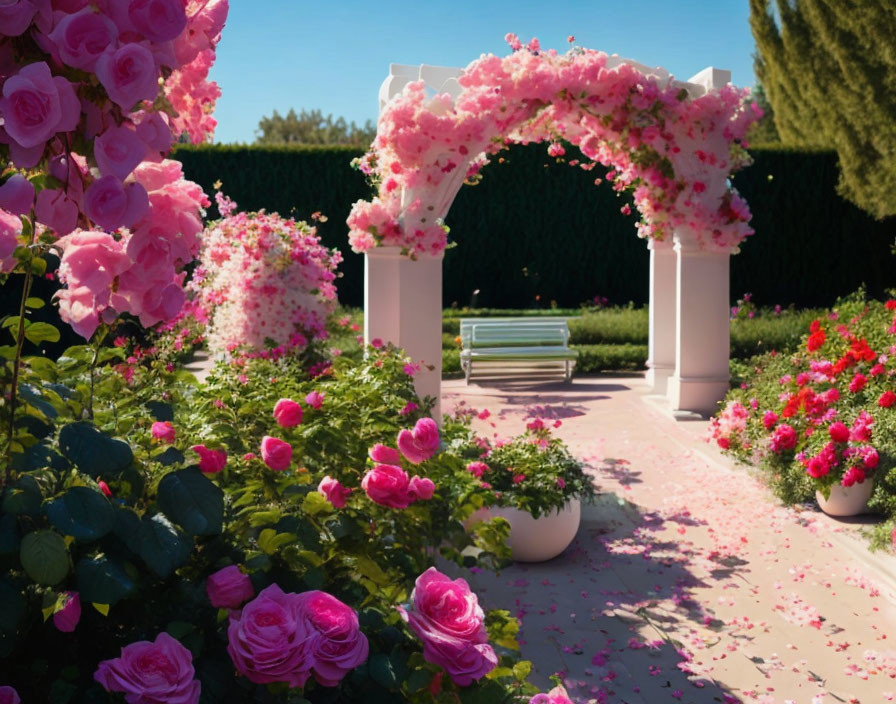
(81, 101)
(266, 283)
(672, 150)
(447, 618)
(729, 425)
(285, 637)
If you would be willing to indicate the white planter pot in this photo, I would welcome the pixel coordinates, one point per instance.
(535, 539)
(846, 500)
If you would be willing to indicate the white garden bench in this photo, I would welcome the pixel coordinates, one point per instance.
(514, 340)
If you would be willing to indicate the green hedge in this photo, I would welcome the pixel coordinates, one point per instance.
(535, 231)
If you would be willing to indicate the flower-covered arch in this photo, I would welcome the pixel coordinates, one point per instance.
(673, 145)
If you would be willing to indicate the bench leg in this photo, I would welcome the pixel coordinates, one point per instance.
(568, 372)
(468, 370)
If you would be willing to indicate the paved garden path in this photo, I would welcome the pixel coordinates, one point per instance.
(687, 581)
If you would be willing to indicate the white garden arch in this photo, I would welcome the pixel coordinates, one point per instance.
(689, 283)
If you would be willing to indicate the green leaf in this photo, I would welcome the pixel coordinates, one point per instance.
(10, 322)
(34, 302)
(38, 266)
(81, 512)
(315, 504)
(41, 332)
(102, 581)
(161, 546)
(11, 616)
(22, 497)
(485, 692)
(44, 557)
(93, 452)
(33, 397)
(418, 680)
(192, 501)
(382, 672)
(270, 541)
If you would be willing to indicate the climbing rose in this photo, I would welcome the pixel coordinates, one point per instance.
(339, 645)
(163, 431)
(334, 492)
(66, 619)
(276, 453)
(17, 195)
(9, 696)
(384, 455)
(421, 443)
(82, 37)
(129, 75)
(447, 617)
(421, 488)
(287, 413)
(36, 105)
(210, 461)
(839, 432)
(229, 588)
(159, 672)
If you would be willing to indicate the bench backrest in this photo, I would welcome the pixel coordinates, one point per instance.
(514, 332)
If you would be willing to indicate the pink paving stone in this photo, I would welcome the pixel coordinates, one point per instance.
(734, 597)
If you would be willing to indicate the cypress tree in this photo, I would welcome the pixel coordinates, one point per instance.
(828, 68)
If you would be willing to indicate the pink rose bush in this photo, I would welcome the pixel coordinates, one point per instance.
(421, 443)
(672, 145)
(91, 76)
(157, 672)
(447, 618)
(266, 282)
(281, 637)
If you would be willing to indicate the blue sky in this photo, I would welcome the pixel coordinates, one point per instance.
(278, 54)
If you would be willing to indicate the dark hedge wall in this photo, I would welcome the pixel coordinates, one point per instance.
(534, 231)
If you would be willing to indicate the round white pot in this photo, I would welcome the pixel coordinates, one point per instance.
(535, 539)
(846, 500)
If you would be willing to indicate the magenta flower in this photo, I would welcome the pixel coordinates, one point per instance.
(210, 461)
(229, 588)
(387, 485)
(287, 413)
(8, 695)
(66, 619)
(383, 454)
(163, 431)
(276, 453)
(334, 492)
(420, 444)
(315, 400)
(155, 672)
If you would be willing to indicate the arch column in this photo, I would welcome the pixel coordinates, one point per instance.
(403, 305)
(662, 315)
(702, 329)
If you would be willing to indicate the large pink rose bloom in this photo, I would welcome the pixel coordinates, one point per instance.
(15, 16)
(82, 38)
(158, 20)
(36, 105)
(276, 453)
(287, 413)
(129, 75)
(447, 618)
(112, 204)
(92, 259)
(229, 588)
(118, 151)
(339, 646)
(271, 640)
(160, 672)
(334, 492)
(8, 695)
(387, 485)
(384, 454)
(557, 695)
(421, 443)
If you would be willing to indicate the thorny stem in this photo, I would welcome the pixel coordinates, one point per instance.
(17, 362)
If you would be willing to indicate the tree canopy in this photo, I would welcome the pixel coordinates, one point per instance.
(311, 127)
(828, 69)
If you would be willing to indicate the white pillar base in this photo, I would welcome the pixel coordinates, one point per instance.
(403, 305)
(662, 316)
(702, 346)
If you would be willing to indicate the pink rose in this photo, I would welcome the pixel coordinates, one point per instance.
(270, 640)
(118, 151)
(36, 105)
(838, 432)
(78, 308)
(9, 696)
(15, 16)
(91, 259)
(158, 20)
(103, 487)
(229, 588)
(315, 399)
(384, 455)
(111, 204)
(163, 431)
(335, 493)
(81, 38)
(10, 229)
(477, 469)
(17, 195)
(447, 618)
(155, 133)
(557, 695)
(421, 444)
(210, 461)
(66, 619)
(339, 646)
(159, 672)
(784, 438)
(387, 485)
(421, 488)
(276, 453)
(129, 75)
(57, 211)
(287, 413)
